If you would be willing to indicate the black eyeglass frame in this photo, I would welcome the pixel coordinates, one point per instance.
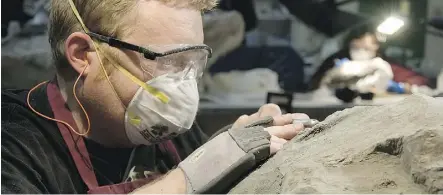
(148, 54)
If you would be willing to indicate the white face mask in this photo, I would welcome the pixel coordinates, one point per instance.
(149, 121)
(361, 54)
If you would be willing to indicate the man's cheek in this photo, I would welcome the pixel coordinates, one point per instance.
(124, 87)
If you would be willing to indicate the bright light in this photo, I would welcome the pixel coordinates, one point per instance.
(390, 25)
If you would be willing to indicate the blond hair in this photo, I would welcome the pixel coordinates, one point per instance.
(106, 17)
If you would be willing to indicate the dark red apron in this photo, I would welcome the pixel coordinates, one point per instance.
(81, 155)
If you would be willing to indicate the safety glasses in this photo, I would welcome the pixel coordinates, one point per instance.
(181, 61)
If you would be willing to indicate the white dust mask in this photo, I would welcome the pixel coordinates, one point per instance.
(149, 120)
(361, 54)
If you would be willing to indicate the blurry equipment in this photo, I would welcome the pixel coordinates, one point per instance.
(25, 18)
(284, 61)
(440, 85)
(224, 31)
(241, 86)
(273, 25)
(245, 8)
(329, 19)
(333, 21)
(250, 81)
(437, 22)
(283, 100)
(26, 61)
(26, 55)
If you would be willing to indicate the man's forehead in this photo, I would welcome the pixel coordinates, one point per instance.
(158, 24)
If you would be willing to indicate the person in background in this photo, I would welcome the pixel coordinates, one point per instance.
(361, 44)
(118, 117)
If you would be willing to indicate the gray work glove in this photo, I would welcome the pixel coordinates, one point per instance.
(216, 165)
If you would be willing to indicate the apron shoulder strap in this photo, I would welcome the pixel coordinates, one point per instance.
(75, 143)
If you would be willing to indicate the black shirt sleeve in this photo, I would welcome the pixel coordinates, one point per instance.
(19, 174)
(187, 142)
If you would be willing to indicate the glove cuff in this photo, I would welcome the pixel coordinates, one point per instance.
(216, 165)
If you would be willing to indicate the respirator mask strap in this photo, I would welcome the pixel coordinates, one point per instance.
(153, 91)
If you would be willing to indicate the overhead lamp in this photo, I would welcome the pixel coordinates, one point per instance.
(390, 26)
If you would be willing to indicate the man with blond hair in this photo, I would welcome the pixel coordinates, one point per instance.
(119, 115)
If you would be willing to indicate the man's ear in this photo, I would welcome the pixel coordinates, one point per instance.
(77, 46)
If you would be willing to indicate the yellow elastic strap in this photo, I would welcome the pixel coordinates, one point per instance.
(77, 15)
(155, 92)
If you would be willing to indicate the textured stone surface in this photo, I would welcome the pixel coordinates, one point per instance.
(396, 148)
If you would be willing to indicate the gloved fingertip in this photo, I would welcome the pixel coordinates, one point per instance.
(298, 125)
(306, 122)
(300, 116)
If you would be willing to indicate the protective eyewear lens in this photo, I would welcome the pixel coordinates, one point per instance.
(187, 64)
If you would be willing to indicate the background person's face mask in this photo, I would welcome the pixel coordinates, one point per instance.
(358, 54)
